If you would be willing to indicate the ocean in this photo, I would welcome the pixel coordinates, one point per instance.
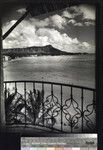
(75, 69)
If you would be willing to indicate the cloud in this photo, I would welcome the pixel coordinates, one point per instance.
(88, 12)
(26, 35)
(80, 15)
(58, 21)
(72, 21)
(86, 44)
(51, 21)
(22, 36)
(53, 35)
(8, 25)
(40, 23)
(79, 24)
(88, 23)
(21, 10)
(82, 23)
(67, 14)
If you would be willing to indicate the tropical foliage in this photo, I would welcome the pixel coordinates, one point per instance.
(19, 110)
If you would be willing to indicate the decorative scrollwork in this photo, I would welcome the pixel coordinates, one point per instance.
(52, 110)
(72, 116)
(89, 112)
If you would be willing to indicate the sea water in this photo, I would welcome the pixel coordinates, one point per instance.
(75, 69)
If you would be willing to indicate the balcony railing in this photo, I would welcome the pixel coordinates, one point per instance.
(54, 106)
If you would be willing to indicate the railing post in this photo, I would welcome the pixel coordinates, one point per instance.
(43, 102)
(25, 100)
(52, 90)
(15, 87)
(94, 100)
(15, 93)
(82, 111)
(61, 109)
(5, 97)
(34, 92)
(52, 98)
(5, 92)
(71, 95)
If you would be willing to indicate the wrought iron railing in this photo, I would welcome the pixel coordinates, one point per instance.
(56, 106)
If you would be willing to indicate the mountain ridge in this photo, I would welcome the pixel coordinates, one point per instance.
(36, 50)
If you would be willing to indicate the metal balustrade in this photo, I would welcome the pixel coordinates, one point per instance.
(58, 107)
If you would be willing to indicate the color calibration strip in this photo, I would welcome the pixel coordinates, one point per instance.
(58, 148)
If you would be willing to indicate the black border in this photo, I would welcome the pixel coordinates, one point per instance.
(11, 141)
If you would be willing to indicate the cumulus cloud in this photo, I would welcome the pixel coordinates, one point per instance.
(23, 36)
(72, 21)
(21, 10)
(40, 23)
(58, 21)
(88, 13)
(75, 23)
(85, 44)
(53, 21)
(82, 23)
(8, 25)
(78, 24)
(67, 14)
(84, 13)
(26, 35)
(88, 23)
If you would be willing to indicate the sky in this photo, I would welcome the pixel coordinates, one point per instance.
(70, 30)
